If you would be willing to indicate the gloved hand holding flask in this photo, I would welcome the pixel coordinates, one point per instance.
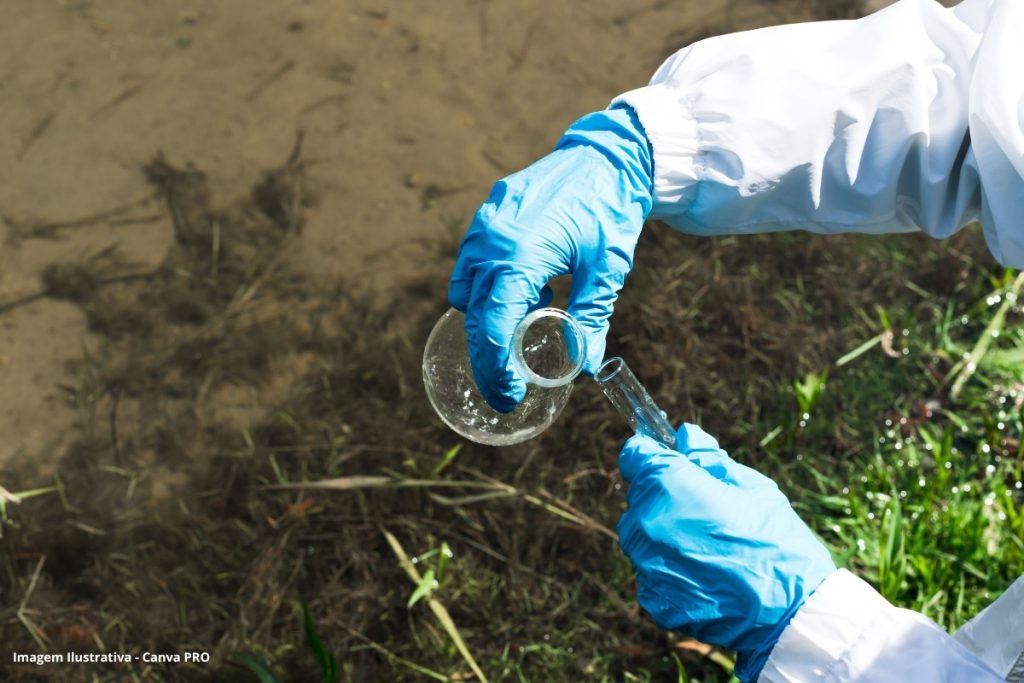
(578, 210)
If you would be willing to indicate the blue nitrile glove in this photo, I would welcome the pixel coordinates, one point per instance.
(578, 210)
(719, 553)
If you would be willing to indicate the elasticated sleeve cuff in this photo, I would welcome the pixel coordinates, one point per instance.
(672, 133)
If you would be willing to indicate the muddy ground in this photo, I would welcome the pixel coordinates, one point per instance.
(409, 114)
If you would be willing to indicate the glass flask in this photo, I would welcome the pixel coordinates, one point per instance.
(548, 351)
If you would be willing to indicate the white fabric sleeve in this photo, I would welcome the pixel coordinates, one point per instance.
(907, 119)
(848, 633)
(996, 635)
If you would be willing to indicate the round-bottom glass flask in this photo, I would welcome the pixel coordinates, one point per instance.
(548, 351)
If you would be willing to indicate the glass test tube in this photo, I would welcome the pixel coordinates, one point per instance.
(633, 402)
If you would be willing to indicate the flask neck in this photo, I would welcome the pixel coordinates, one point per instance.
(549, 348)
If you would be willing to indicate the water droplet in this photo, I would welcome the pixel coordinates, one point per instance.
(948, 465)
(888, 423)
(1017, 485)
(971, 367)
(964, 320)
(921, 482)
(955, 489)
(898, 445)
(963, 428)
(547, 636)
(846, 490)
(906, 332)
(806, 416)
(1000, 426)
(861, 545)
(415, 560)
(967, 487)
(903, 494)
(903, 420)
(871, 515)
(985, 448)
(990, 469)
(906, 352)
(1002, 516)
(835, 528)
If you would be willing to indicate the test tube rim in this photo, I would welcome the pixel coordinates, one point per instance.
(600, 377)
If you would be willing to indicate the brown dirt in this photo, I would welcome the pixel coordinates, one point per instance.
(409, 115)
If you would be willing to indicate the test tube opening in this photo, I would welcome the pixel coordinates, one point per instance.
(609, 369)
(621, 387)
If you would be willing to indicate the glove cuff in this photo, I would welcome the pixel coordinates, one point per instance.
(671, 129)
(618, 135)
(749, 664)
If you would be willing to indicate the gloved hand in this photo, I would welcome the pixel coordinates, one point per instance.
(578, 210)
(719, 552)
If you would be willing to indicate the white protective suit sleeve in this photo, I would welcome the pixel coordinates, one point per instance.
(908, 119)
(848, 632)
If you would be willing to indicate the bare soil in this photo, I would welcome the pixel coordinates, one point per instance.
(409, 114)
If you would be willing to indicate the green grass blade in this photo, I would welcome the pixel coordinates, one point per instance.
(328, 664)
(426, 584)
(446, 459)
(257, 666)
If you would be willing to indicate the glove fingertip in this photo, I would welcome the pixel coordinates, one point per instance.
(459, 292)
(507, 400)
(596, 346)
(636, 452)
